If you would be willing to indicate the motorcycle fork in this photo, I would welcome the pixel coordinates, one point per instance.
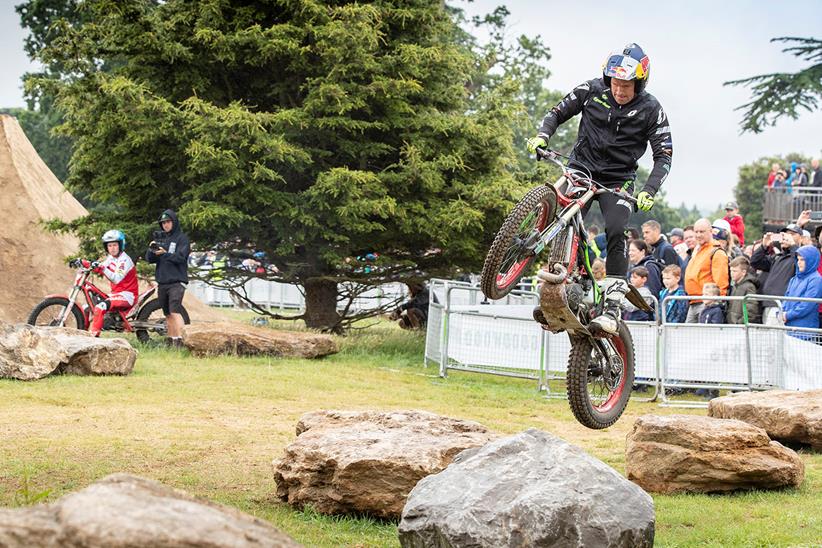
(72, 296)
(562, 220)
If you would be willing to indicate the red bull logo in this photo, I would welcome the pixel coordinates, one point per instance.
(642, 69)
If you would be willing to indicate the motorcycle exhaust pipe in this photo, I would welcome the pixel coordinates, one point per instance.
(556, 277)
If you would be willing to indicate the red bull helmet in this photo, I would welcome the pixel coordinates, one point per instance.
(630, 64)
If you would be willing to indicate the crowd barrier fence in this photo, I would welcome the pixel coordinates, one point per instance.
(672, 359)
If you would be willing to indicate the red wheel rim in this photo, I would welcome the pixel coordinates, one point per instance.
(615, 394)
(515, 271)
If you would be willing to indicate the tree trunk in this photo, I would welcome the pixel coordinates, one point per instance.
(321, 304)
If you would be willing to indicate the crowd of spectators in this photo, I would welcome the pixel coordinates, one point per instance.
(711, 259)
(795, 175)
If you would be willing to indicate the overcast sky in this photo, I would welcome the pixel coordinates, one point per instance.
(694, 47)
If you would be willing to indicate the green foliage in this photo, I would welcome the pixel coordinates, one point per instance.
(782, 93)
(750, 188)
(314, 132)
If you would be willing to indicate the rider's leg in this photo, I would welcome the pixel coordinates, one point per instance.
(614, 287)
(99, 313)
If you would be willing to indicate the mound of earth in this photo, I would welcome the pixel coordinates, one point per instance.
(32, 259)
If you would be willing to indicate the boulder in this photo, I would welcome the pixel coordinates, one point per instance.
(367, 462)
(687, 453)
(531, 489)
(28, 353)
(244, 340)
(126, 511)
(786, 415)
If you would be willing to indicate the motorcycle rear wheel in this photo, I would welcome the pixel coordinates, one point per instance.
(511, 254)
(153, 312)
(48, 312)
(594, 403)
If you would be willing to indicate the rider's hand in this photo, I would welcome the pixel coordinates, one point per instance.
(534, 143)
(85, 263)
(644, 201)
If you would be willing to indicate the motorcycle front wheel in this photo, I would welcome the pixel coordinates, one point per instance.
(511, 254)
(598, 399)
(49, 311)
(152, 313)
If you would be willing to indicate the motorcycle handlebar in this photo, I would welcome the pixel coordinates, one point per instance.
(552, 156)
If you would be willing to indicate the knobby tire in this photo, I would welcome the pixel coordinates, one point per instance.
(144, 335)
(587, 412)
(542, 197)
(61, 302)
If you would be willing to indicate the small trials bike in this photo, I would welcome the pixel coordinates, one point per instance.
(145, 318)
(548, 220)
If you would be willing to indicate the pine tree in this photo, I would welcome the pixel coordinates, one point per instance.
(315, 131)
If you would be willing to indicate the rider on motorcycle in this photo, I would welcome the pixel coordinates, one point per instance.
(619, 119)
(119, 269)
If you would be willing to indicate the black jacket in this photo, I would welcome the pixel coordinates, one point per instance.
(780, 268)
(654, 267)
(613, 137)
(172, 266)
(664, 252)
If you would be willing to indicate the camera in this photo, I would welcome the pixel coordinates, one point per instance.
(154, 246)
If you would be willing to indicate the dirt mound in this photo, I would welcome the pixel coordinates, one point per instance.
(32, 260)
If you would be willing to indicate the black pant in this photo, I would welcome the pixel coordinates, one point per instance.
(171, 297)
(616, 212)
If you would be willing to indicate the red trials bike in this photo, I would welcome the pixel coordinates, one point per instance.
(549, 220)
(145, 318)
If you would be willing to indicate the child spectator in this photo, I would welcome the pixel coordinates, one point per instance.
(806, 283)
(675, 311)
(712, 313)
(639, 279)
(598, 270)
(744, 282)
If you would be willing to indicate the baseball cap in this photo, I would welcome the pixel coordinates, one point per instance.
(677, 232)
(165, 217)
(806, 234)
(731, 205)
(793, 227)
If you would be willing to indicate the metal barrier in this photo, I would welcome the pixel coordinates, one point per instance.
(673, 359)
(504, 339)
(706, 358)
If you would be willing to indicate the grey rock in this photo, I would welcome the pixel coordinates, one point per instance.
(531, 489)
(29, 353)
(122, 511)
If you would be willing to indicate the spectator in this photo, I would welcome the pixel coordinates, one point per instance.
(639, 279)
(602, 244)
(779, 180)
(676, 236)
(806, 238)
(721, 230)
(593, 247)
(713, 312)
(736, 221)
(598, 269)
(801, 178)
(772, 175)
(744, 282)
(675, 311)
(631, 233)
(816, 174)
(169, 251)
(777, 257)
(639, 256)
(807, 283)
(708, 264)
(660, 248)
(413, 314)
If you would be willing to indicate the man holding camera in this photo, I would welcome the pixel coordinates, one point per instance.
(169, 250)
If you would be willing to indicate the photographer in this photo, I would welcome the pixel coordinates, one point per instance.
(169, 250)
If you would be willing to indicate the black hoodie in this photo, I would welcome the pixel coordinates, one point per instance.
(172, 266)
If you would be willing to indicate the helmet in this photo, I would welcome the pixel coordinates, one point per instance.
(631, 64)
(114, 236)
(259, 255)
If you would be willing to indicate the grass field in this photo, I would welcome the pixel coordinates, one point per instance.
(213, 427)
